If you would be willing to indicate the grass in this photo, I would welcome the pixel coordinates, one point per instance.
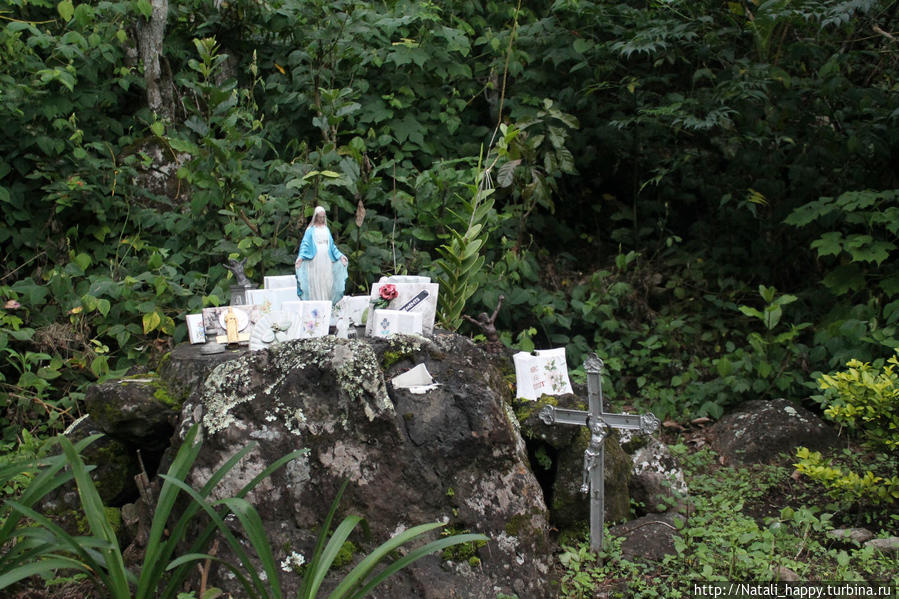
(740, 524)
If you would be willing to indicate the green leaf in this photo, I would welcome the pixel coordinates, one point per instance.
(829, 244)
(844, 279)
(151, 321)
(66, 10)
(144, 8)
(724, 366)
(83, 261)
(582, 46)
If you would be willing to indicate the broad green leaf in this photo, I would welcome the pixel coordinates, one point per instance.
(144, 8)
(66, 10)
(151, 321)
(829, 244)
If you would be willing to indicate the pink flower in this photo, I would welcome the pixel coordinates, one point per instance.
(11, 305)
(387, 292)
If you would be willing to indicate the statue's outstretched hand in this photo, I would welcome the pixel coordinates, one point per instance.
(344, 260)
(298, 262)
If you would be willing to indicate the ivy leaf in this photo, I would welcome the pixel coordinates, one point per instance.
(582, 46)
(863, 248)
(808, 212)
(829, 244)
(890, 286)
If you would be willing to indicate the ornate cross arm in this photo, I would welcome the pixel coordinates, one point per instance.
(644, 423)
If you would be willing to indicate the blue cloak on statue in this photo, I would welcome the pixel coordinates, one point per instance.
(338, 269)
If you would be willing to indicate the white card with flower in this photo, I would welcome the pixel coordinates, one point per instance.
(543, 372)
(392, 322)
(314, 317)
(416, 294)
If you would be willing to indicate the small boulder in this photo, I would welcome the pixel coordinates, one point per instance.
(649, 538)
(115, 466)
(784, 574)
(887, 546)
(850, 536)
(658, 480)
(760, 430)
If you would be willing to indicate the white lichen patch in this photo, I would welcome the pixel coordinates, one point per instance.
(507, 542)
(493, 495)
(222, 393)
(346, 461)
(248, 468)
(265, 434)
(359, 375)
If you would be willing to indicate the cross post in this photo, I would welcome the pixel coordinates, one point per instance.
(599, 423)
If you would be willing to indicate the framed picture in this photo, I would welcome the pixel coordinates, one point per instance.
(196, 332)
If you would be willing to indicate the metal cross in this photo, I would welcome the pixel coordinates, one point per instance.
(599, 423)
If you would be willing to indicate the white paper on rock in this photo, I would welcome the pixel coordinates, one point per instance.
(352, 307)
(416, 380)
(392, 322)
(545, 372)
(315, 317)
(414, 377)
(279, 282)
(408, 288)
(195, 330)
(272, 300)
(275, 327)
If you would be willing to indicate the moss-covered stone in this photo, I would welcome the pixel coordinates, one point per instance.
(345, 554)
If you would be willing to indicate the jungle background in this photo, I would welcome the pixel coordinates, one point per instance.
(706, 193)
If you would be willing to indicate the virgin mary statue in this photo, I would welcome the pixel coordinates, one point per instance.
(320, 266)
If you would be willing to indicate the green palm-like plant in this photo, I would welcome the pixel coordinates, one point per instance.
(358, 583)
(42, 547)
(362, 579)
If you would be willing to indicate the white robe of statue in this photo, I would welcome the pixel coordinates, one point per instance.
(320, 272)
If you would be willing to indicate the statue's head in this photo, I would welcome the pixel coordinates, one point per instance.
(318, 217)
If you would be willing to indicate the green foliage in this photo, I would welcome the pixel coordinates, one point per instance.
(709, 548)
(864, 400)
(847, 485)
(461, 258)
(362, 579)
(44, 547)
(734, 134)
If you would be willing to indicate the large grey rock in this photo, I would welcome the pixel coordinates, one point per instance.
(452, 453)
(761, 429)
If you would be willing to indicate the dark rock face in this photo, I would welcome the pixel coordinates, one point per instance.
(115, 466)
(763, 429)
(452, 453)
(136, 410)
(569, 507)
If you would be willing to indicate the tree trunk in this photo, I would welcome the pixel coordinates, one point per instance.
(150, 35)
